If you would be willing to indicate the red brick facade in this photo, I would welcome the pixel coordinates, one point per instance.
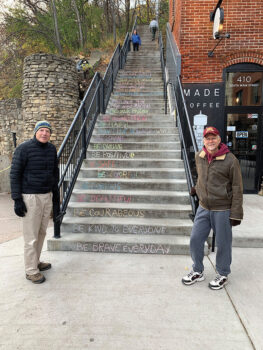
(192, 31)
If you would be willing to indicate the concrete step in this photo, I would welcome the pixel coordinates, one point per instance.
(112, 225)
(151, 54)
(141, 88)
(157, 79)
(136, 163)
(134, 146)
(134, 154)
(139, 105)
(138, 63)
(141, 93)
(131, 98)
(128, 210)
(131, 184)
(127, 74)
(133, 67)
(158, 197)
(134, 131)
(138, 125)
(134, 138)
(146, 83)
(128, 111)
(117, 243)
(131, 173)
(134, 117)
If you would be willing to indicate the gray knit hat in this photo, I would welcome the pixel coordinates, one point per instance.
(42, 124)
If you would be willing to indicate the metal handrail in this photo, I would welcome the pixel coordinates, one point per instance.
(184, 145)
(161, 48)
(124, 50)
(185, 154)
(72, 151)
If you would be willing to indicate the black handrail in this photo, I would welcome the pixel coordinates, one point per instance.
(188, 145)
(161, 48)
(74, 146)
(187, 139)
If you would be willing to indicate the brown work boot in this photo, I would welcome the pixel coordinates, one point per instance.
(36, 278)
(44, 266)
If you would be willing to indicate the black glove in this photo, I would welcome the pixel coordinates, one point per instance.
(56, 204)
(234, 222)
(192, 191)
(20, 207)
(56, 196)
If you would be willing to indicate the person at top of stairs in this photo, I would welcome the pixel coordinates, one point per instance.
(153, 28)
(136, 40)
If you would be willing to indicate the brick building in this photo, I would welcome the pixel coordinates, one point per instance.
(216, 46)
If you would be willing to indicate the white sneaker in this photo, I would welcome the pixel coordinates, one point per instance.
(219, 282)
(193, 277)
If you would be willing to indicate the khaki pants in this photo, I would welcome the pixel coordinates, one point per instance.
(35, 224)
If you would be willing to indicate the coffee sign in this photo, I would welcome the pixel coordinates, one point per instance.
(206, 100)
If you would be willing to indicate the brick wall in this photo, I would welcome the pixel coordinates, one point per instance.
(192, 31)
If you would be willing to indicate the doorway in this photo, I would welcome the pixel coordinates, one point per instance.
(243, 139)
(243, 120)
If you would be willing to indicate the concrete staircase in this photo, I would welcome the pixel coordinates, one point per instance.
(131, 194)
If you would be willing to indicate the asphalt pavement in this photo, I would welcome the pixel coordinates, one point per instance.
(131, 302)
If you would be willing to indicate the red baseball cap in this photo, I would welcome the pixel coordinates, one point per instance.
(211, 130)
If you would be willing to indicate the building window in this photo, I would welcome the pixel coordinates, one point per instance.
(244, 88)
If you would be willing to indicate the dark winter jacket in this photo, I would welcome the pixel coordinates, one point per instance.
(34, 168)
(219, 184)
(136, 39)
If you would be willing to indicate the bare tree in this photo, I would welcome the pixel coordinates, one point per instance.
(127, 12)
(134, 11)
(148, 10)
(54, 10)
(112, 6)
(81, 41)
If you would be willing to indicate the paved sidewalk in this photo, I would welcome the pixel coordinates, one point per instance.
(129, 302)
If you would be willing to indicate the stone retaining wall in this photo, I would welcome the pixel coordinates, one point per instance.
(10, 122)
(50, 92)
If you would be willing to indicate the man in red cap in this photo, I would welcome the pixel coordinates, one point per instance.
(220, 191)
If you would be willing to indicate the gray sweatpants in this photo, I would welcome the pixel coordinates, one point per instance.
(205, 220)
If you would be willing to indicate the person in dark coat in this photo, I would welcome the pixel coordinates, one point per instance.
(34, 179)
(136, 40)
(220, 191)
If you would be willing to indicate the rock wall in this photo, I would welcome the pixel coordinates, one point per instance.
(10, 127)
(10, 122)
(50, 92)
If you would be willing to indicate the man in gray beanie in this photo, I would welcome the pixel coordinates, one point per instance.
(34, 179)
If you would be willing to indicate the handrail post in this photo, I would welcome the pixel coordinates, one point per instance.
(57, 229)
(165, 96)
(103, 96)
(84, 133)
(112, 70)
(119, 57)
